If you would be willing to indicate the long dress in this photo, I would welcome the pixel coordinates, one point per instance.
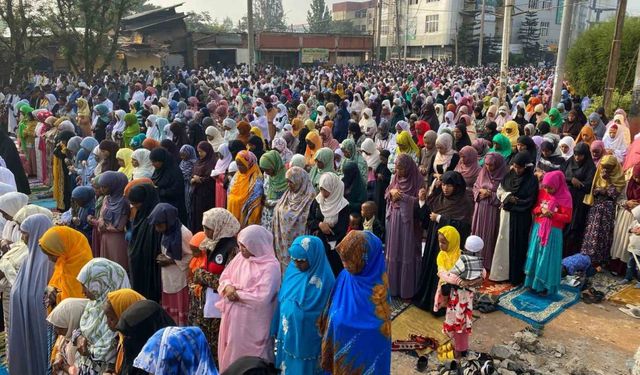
(510, 254)
(456, 211)
(543, 267)
(598, 236)
(574, 232)
(113, 244)
(624, 218)
(203, 197)
(9, 153)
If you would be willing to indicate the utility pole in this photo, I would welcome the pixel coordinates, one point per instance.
(406, 33)
(481, 41)
(563, 46)
(379, 29)
(251, 39)
(397, 4)
(455, 46)
(612, 71)
(634, 111)
(504, 58)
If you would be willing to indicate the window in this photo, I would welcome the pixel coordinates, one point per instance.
(533, 4)
(544, 29)
(384, 30)
(413, 2)
(363, 27)
(546, 4)
(431, 24)
(362, 13)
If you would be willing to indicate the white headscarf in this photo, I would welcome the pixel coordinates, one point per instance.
(119, 125)
(144, 168)
(232, 133)
(373, 159)
(331, 206)
(214, 133)
(617, 145)
(569, 142)
(223, 162)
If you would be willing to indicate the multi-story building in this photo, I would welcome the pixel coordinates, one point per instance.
(362, 14)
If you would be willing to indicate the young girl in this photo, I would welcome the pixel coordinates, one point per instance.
(114, 215)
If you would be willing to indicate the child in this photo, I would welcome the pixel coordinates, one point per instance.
(355, 222)
(469, 265)
(369, 220)
(82, 207)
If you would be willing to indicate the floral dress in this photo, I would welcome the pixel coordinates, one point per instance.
(598, 236)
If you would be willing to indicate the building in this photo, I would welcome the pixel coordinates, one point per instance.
(362, 14)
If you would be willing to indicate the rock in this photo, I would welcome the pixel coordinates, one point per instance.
(575, 366)
(502, 352)
(505, 363)
(526, 340)
(533, 360)
(561, 349)
(504, 371)
(515, 366)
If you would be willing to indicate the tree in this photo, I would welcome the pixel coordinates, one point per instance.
(344, 27)
(529, 36)
(25, 24)
(467, 39)
(88, 30)
(491, 50)
(318, 17)
(587, 58)
(269, 16)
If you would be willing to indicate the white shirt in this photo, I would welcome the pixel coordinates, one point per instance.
(174, 277)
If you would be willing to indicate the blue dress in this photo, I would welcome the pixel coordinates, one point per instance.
(543, 268)
(302, 299)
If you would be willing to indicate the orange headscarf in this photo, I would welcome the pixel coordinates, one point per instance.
(73, 252)
(120, 300)
(200, 260)
(533, 102)
(244, 132)
(150, 144)
(242, 189)
(297, 125)
(586, 130)
(312, 138)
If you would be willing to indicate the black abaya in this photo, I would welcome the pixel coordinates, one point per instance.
(9, 153)
(169, 182)
(144, 245)
(339, 232)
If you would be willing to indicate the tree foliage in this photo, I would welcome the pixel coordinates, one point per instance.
(588, 57)
(344, 27)
(268, 15)
(319, 17)
(529, 36)
(203, 22)
(468, 40)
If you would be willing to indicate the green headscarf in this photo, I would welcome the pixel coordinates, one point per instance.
(350, 146)
(504, 143)
(103, 112)
(131, 129)
(278, 181)
(557, 123)
(22, 126)
(325, 156)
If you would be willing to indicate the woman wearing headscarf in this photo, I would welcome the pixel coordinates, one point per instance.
(356, 324)
(70, 251)
(108, 151)
(597, 126)
(329, 216)
(367, 123)
(460, 137)
(201, 185)
(131, 129)
(355, 188)
(9, 153)
(351, 153)
(427, 153)
(244, 132)
(27, 330)
(630, 198)
(550, 159)
(571, 126)
(502, 146)
(248, 287)
(136, 325)
(282, 118)
(486, 212)
(10, 204)
(302, 141)
(383, 139)
(402, 229)
(579, 172)
(608, 184)
(586, 135)
(614, 143)
(61, 178)
(65, 319)
(96, 343)
(175, 255)
(468, 167)
(314, 143)
(446, 158)
(517, 193)
(168, 180)
(566, 146)
(291, 212)
(341, 122)
(219, 174)
(124, 161)
(246, 188)
(274, 186)
(84, 116)
(142, 166)
(280, 145)
(114, 216)
(174, 350)
(430, 116)
(256, 146)
(116, 303)
(306, 287)
(552, 212)
(510, 130)
(406, 145)
(448, 204)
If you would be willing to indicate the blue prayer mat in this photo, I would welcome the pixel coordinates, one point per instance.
(534, 309)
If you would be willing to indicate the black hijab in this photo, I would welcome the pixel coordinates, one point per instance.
(458, 205)
(465, 140)
(429, 115)
(583, 170)
(302, 141)
(258, 146)
(137, 324)
(9, 153)
(532, 149)
(171, 147)
(235, 147)
(512, 180)
(110, 163)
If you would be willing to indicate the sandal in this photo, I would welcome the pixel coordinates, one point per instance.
(634, 312)
(422, 364)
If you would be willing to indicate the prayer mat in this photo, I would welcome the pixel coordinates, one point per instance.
(493, 288)
(534, 309)
(414, 321)
(46, 203)
(630, 295)
(398, 306)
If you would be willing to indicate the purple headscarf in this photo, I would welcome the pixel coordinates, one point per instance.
(116, 205)
(411, 183)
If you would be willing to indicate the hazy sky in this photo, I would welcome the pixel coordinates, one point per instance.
(296, 10)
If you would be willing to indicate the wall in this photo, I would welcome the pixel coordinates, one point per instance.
(143, 61)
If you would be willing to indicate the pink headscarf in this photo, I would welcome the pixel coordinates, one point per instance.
(257, 281)
(470, 168)
(490, 180)
(561, 198)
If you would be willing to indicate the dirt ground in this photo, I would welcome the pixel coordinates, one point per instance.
(600, 335)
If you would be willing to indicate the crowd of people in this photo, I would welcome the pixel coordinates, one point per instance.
(230, 220)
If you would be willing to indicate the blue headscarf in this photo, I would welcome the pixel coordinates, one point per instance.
(85, 196)
(357, 325)
(341, 122)
(176, 350)
(302, 299)
(164, 213)
(186, 166)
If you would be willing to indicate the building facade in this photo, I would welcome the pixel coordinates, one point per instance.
(362, 14)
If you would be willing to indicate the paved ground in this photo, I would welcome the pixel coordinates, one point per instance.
(600, 336)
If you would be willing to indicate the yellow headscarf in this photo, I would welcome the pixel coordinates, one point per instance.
(514, 134)
(447, 259)
(120, 300)
(296, 126)
(310, 124)
(616, 177)
(406, 145)
(125, 155)
(242, 189)
(83, 107)
(73, 252)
